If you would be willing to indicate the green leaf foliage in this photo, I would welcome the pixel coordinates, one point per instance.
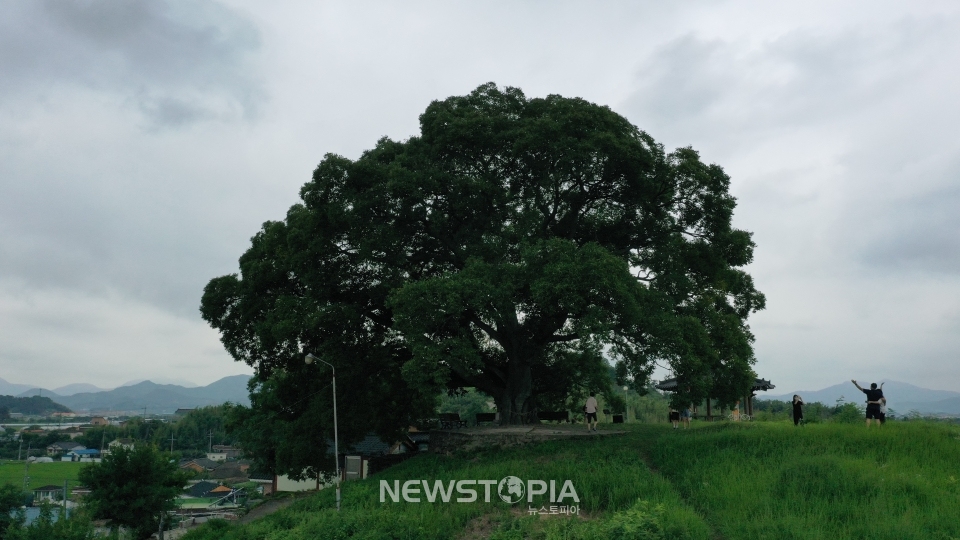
(133, 487)
(514, 246)
(46, 527)
(11, 499)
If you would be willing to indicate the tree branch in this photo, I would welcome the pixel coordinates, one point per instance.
(490, 330)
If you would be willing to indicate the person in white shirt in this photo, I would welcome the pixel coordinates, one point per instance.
(590, 408)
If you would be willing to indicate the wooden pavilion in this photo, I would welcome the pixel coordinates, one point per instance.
(759, 385)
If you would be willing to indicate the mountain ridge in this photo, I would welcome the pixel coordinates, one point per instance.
(157, 398)
(902, 397)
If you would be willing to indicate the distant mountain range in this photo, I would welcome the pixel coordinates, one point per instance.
(901, 397)
(157, 398)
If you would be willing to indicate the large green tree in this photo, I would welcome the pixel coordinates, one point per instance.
(513, 246)
(133, 488)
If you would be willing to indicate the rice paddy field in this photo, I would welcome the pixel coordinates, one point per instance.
(760, 480)
(39, 474)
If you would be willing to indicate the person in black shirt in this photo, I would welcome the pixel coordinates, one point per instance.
(874, 395)
(797, 409)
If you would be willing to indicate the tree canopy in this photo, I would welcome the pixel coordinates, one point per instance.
(133, 488)
(514, 246)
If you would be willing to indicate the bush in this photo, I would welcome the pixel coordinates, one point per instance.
(641, 522)
(848, 413)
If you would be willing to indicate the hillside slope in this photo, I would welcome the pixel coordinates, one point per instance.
(732, 481)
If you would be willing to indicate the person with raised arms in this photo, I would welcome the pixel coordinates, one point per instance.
(874, 395)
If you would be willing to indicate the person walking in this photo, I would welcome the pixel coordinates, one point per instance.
(590, 409)
(674, 417)
(874, 395)
(685, 415)
(797, 409)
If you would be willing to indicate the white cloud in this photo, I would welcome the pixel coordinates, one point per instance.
(142, 145)
(58, 337)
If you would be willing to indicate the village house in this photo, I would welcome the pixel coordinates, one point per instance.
(367, 457)
(62, 447)
(232, 472)
(83, 455)
(72, 432)
(217, 456)
(48, 493)
(201, 489)
(98, 421)
(119, 443)
(199, 465)
(264, 482)
(231, 452)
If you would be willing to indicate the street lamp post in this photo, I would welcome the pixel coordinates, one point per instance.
(626, 410)
(309, 359)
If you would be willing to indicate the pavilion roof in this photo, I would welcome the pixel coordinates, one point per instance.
(670, 385)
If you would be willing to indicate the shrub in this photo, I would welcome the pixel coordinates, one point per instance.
(848, 413)
(641, 522)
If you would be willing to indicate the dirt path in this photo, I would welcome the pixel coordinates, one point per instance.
(266, 509)
(260, 511)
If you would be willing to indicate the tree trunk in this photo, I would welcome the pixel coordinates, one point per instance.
(514, 401)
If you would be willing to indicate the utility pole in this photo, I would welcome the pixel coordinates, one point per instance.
(64, 499)
(210, 436)
(20, 450)
(26, 470)
(171, 442)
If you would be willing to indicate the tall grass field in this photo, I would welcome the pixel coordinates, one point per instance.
(763, 480)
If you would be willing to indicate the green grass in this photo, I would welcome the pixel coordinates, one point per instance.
(41, 474)
(762, 480)
(826, 481)
(609, 476)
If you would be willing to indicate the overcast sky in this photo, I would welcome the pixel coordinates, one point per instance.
(142, 144)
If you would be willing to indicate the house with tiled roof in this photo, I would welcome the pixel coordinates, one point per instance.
(199, 465)
(201, 489)
(62, 447)
(232, 471)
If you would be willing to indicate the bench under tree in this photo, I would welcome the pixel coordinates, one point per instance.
(451, 421)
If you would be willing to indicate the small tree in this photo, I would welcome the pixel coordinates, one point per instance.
(133, 488)
(76, 527)
(11, 499)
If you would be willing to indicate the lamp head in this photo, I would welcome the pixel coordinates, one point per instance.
(309, 358)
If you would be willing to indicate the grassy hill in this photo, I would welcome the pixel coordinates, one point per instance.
(34, 405)
(734, 481)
